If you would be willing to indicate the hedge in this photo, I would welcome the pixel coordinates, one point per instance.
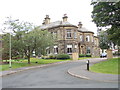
(85, 55)
(88, 55)
(52, 57)
(82, 55)
(62, 56)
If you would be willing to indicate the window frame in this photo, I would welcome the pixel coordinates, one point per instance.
(81, 37)
(88, 51)
(69, 49)
(87, 38)
(69, 33)
(75, 35)
(55, 49)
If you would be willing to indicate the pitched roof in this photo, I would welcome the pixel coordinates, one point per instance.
(83, 29)
(56, 24)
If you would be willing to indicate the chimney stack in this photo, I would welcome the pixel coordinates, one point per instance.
(47, 20)
(80, 25)
(65, 18)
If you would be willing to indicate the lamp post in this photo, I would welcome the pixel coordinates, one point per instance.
(10, 66)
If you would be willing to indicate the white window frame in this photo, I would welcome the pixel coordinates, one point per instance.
(69, 49)
(69, 33)
(75, 46)
(55, 49)
(88, 48)
(87, 38)
(75, 35)
(81, 37)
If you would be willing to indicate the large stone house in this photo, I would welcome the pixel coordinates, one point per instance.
(71, 38)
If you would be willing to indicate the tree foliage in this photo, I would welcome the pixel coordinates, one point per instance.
(108, 14)
(103, 40)
(27, 38)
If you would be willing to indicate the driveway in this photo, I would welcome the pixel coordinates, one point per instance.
(53, 76)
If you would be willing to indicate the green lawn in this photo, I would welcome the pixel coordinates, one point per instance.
(81, 58)
(23, 63)
(110, 66)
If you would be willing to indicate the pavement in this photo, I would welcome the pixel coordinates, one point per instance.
(82, 72)
(78, 71)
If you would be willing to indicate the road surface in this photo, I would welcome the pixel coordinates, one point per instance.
(54, 76)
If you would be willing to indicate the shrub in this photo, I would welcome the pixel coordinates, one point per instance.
(63, 56)
(16, 57)
(45, 57)
(82, 55)
(88, 55)
(52, 57)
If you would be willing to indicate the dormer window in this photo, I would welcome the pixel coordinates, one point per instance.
(69, 34)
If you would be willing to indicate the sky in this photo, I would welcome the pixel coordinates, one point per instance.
(34, 11)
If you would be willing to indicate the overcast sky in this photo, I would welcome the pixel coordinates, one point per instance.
(34, 11)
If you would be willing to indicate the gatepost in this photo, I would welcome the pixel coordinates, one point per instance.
(74, 56)
(109, 54)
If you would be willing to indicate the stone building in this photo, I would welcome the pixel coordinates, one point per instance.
(70, 38)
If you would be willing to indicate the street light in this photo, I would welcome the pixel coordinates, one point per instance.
(10, 66)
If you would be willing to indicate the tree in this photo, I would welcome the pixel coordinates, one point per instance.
(28, 38)
(103, 40)
(42, 39)
(108, 14)
(5, 46)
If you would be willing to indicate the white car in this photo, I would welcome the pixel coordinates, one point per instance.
(103, 55)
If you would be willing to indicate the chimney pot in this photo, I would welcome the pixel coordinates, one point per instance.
(79, 25)
(65, 18)
(47, 20)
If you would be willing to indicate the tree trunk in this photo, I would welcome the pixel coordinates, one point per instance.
(28, 55)
(28, 59)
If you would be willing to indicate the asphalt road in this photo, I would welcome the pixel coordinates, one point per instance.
(54, 76)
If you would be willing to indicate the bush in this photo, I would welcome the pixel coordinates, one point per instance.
(82, 55)
(17, 60)
(45, 57)
(16, 57)
(88, 55)
(62, 56)
(52, 57)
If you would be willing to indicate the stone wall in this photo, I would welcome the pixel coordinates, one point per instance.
(63, 41)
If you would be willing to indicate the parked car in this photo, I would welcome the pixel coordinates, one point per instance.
(103, 55)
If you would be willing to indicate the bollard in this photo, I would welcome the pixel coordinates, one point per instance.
(87, 64)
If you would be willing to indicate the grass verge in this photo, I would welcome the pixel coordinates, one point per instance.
(109, 67)
(81, 58)
(23, 63)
